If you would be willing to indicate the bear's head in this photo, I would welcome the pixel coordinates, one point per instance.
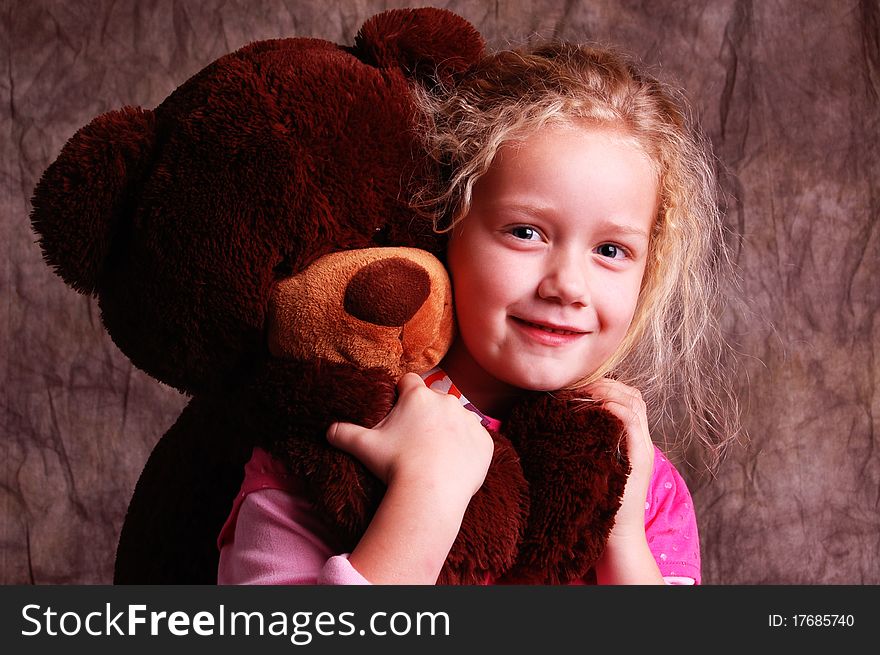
(194, 223)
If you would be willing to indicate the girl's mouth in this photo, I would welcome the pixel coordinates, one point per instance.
(548, 328)
(552, 335)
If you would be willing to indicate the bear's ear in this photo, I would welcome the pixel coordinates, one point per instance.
(428, 44)
(80, 200)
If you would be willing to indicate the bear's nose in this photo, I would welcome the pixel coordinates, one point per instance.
(387, 292)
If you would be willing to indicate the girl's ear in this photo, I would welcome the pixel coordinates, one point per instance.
(82, 195)
(428, 44)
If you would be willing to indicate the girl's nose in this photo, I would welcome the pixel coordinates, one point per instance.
(565, 281)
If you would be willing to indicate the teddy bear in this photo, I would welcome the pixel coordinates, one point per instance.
(250, 243)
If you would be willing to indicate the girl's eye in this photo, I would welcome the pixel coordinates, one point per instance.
(611, 251)
(525, 233)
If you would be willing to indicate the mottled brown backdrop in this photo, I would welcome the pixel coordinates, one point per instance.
(788, 92)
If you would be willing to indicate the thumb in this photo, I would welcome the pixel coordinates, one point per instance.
(346, 436)
(355, 440)
(409, 381)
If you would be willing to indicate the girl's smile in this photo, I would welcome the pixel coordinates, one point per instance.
(548, 262)
(548, 334)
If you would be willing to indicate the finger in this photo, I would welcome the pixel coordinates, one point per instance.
(356, 441)
(624, 407)
(409, 381)
(611, 389)
(627, 396)
(346, 436)
(631, 418)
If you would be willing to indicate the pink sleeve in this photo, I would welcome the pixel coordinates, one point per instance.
(671, 524)
(278, 541)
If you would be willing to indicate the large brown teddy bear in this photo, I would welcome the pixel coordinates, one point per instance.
(250, 243)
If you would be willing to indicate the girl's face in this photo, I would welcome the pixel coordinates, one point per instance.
(547, 265)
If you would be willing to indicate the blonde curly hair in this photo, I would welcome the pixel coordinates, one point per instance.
(674, 351)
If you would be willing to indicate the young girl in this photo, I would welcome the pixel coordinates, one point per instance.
(585, 252)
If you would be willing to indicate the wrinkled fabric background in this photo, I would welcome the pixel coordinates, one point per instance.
(788, 92)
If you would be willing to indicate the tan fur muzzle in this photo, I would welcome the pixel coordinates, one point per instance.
(378, 307)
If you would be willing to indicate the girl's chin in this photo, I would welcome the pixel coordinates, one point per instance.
(536, 381)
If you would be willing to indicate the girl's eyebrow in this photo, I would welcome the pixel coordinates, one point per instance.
(520, 206)
(622, 228)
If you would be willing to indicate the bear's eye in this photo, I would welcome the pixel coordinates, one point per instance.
(283, 269)
(380, 236)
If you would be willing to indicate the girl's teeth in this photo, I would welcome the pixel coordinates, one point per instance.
(546, 329)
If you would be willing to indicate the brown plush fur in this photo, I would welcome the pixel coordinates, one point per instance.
(195, 225)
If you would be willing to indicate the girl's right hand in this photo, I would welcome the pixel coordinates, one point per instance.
(427, 438)
(433, 455)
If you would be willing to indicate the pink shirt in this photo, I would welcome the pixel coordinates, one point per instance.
(273, 535)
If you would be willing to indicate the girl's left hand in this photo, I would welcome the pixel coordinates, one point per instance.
(626, 404)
